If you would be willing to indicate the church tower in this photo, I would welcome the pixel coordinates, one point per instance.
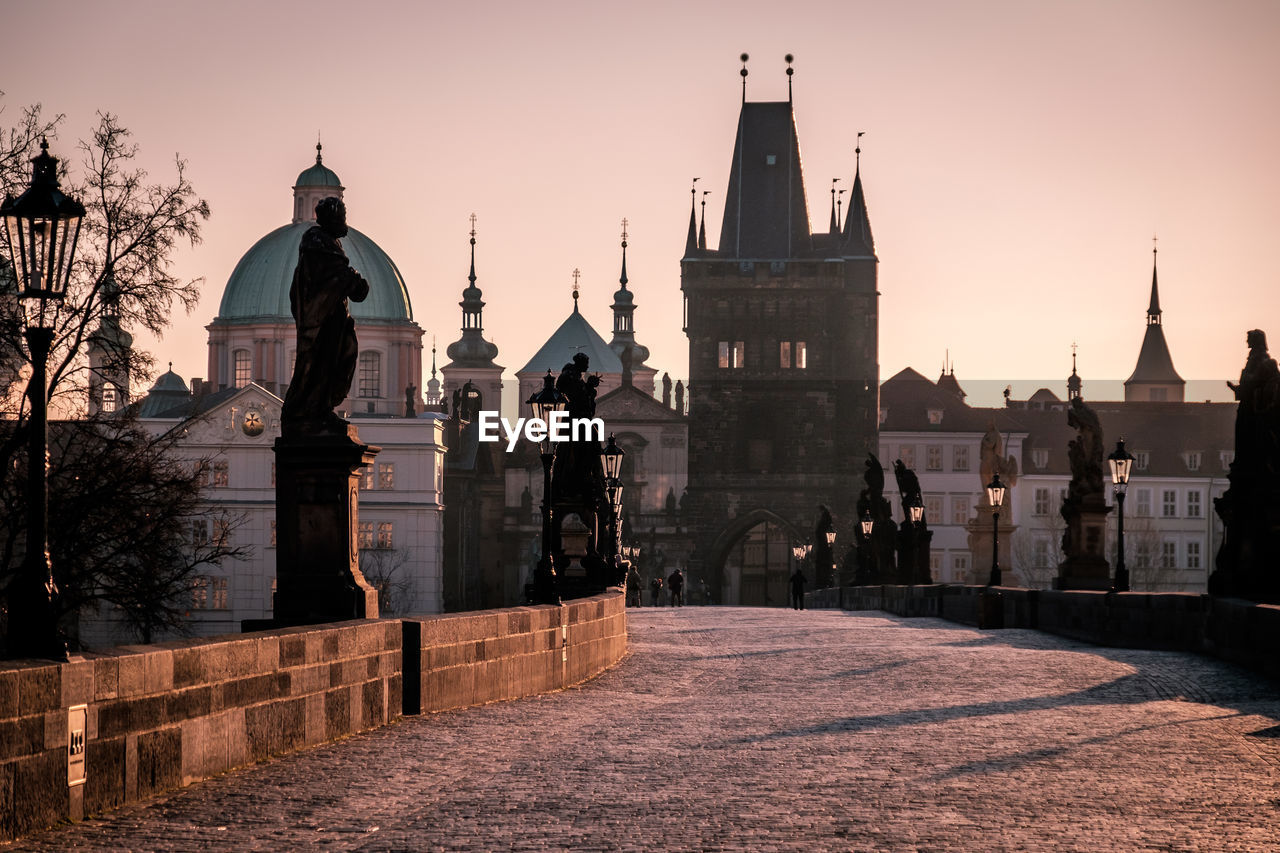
(471, 355)
(109, 352)
(783, 370)
(1154, 379)
(624, 330)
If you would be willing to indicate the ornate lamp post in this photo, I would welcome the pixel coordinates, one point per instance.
(915, 513)
(867, 555)
(1121, 464)
(611, 457)
(995, 495)
(542, 405)
(41, 229)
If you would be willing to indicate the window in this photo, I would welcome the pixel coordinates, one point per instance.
(218, 594)
(1193, 460)
(802, 355)
(1193, 554)
(1142, 555)
(1143, 505)
(221, 474)
(935, 417)
(960, 563)
(1040, 458)
(366, 479)
(386, 475)
(935, 564)
(370, 374)
(200, 532)
(1169, 503)
(109, 399)
(243, 364)
(273, 533)
(724, 354)
(385, 535)
(907, 453)
(202, 473)
(199, 592)
(784, 354)
(1041, 502)
(1193, 503)
(1040, 553)
(364, 535)
(959, 510)
(1141, 459)
(221, 532)
(1168, 555)
(1226, 457)
(740, 355)
(933, 508)
(960, 458)
(933, 457)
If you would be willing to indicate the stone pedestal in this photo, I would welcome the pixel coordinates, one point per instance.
(318, 575)
(1085, 544)
(980, 529)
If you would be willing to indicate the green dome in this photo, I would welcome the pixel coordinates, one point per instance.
(318, 175)
(258, 290)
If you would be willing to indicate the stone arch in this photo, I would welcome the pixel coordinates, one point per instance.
(778, 535)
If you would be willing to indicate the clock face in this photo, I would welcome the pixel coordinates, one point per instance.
(253, 423)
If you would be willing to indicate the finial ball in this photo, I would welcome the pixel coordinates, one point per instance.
(790, 58)
(744, 57)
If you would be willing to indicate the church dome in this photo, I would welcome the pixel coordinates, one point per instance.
(318, 175)
(258, 289)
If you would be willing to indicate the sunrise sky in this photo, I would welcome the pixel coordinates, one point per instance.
(1018, 156)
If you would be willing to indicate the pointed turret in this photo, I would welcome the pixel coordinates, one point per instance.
(765, 212)
(1154, 378)
(1075, 385)
(702, 224)
(433, 384)
(691, 242)
(834, 227)
(857, 237)
(110, 351)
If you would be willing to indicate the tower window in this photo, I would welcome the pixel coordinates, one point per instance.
(243, 367)
(802, 360)
(109, 399)
(771, 159)
(732, 355)
(784, 354)
(370, 374)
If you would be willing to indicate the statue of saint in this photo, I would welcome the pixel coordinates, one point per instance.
(577, 473)
(1085, 453)
(327, 350)
(992, 460)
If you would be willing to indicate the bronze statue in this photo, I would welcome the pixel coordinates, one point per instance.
(327, 349)
(1085, 453)
(992, 460)
(577, 473)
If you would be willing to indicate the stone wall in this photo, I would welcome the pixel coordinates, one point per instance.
(1238, 631)
(163, 716)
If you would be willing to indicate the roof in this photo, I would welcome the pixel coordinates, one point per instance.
(907, 398)
(318, 175)
(1155, 365)
(628, 404)
(575, 335)
(258, 289)
(169, 391)
(765, 213)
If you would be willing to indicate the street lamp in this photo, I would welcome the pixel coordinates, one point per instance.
(1121, 464)
(41, 229)
(915, 513)
(542, 405)
(611, 457)
(995, 496)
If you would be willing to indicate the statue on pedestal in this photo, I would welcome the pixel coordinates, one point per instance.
(327, 350)
(1085, 508)
(1248, 561)
(875, 558)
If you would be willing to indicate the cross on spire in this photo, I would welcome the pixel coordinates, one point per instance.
(624, 230)
(473, 225)
(576, 275)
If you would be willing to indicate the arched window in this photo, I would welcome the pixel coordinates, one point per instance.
(370, 374)
(110, 402)
(243, 367)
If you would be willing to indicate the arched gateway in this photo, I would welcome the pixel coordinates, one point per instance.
(752, 560)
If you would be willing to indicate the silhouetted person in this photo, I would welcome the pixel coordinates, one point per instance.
(327, 350)
(655, 587)
(633, 587)
(797, 590)
(676, 584)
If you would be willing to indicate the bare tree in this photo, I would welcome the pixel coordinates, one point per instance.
(383, 568)
(1036, 550)
(120, 504)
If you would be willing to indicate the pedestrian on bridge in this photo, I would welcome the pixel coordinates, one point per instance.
(655, 587)
(676, 585)
(797, 590)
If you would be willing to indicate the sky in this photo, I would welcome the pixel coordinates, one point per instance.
(1018, 157)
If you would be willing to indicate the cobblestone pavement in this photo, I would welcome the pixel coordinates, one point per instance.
(754, 729)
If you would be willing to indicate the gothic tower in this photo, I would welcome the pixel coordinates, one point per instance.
(1154, 378)
(783, 370)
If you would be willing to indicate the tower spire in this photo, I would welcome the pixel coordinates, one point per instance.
(576, 275)
(471, 276)
(691, 242)
(856, 233)
(835, 220)
(790, 71)
(702, 225)
(623, 279)
(743, 72)
(1153, 309)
